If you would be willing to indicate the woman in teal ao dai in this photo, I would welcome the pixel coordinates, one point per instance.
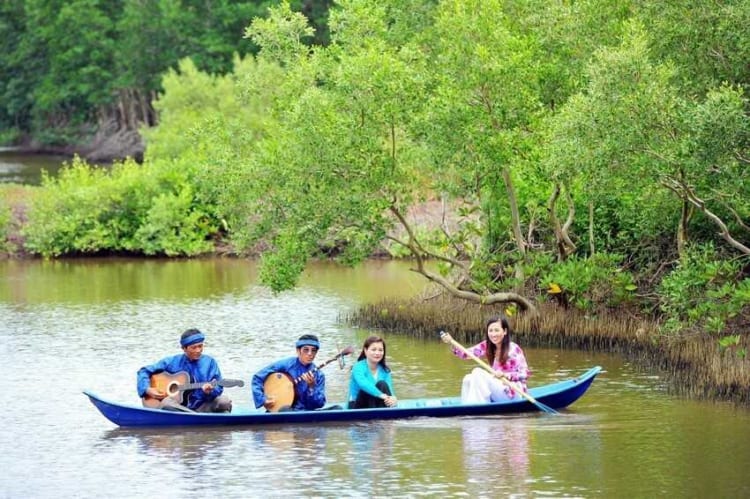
(370, 385)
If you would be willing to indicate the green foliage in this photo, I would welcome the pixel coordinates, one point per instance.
(90, 210)
(204, 117)
(702, 292)
(473, 124)
(715, 145)
(79, 49)
(731, 343)
(173, 227)
(489, 103)
(67, 63)
(280, 269)
(282, 35)
(624, 224)
(630, 133)
(709, 41)
(590, 282)
(9, 136)
(338, 134)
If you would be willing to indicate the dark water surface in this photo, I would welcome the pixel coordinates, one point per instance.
(71, 325)
(23, 168)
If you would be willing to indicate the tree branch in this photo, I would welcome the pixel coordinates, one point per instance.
(686, 192)
(419, 253)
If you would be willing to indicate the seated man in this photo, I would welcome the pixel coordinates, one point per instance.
(306, 381)
(200, 369)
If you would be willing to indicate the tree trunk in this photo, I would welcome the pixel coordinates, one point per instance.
(515, 222)
(592, 246)
(565, 245)
(682, 233)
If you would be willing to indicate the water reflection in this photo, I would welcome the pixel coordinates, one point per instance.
(372, 453)
(183, 444)
(296, 442)
(496, 453)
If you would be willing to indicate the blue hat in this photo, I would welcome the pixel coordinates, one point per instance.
(308, 340)
(194, 338)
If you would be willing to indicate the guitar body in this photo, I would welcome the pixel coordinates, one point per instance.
(280, 387)
(169, 384)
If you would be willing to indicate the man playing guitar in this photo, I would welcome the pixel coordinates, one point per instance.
(202, 370)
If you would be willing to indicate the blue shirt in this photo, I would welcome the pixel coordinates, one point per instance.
(306, 398)
(203, 370)
(362, 380)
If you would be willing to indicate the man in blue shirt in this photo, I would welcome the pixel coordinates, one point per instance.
(201, 369)
(308, 382)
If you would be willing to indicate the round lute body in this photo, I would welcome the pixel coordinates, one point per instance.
(280, 388)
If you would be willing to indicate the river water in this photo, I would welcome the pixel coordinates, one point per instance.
(23, 168)
(71, 325)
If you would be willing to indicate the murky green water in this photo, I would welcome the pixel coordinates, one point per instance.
(21, 168)
(71, 325)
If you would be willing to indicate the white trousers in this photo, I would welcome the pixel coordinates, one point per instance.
(479, 386)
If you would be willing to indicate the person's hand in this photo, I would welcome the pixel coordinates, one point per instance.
(390, 401)
(309, 378)
(270, 401)
(447, 338)
(207, 387)
(155, 393)
(501, 375)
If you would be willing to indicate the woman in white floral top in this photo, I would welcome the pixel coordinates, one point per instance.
(505, 357)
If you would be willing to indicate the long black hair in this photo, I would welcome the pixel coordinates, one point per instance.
(504, 345)
(369, 341)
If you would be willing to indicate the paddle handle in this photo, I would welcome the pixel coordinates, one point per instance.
(483, 364)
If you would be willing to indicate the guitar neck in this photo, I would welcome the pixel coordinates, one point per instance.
(194, 386)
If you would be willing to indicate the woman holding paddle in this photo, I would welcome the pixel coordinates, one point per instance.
(371, 385)
(504, 356)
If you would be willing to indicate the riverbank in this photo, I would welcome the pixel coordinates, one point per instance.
(15, 200)
(110, 143)
(695, 366)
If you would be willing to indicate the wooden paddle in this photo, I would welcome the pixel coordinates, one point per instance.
(280, 386)
(488, 368)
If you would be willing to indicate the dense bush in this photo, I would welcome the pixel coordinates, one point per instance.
(151, 210)
(588, 283)
(703, 292)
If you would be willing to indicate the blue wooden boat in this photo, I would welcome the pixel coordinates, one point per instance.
(556, 395)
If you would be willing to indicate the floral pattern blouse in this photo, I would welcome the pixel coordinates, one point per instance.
(515, 368)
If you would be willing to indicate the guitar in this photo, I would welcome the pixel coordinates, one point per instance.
(280, 386)
(175, 386)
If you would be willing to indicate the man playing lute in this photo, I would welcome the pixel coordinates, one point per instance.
(296, 382)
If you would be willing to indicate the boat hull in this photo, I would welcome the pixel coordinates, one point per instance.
(557, 396)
